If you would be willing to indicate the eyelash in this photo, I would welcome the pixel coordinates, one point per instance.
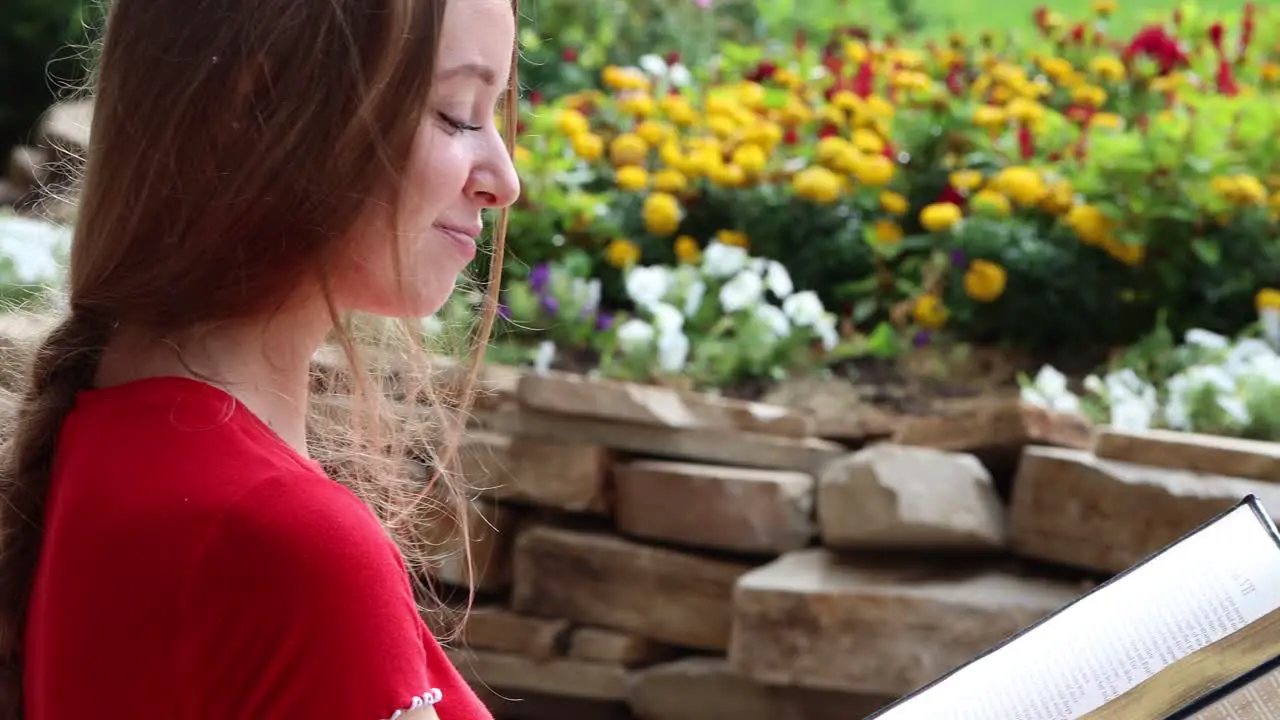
(458, 125)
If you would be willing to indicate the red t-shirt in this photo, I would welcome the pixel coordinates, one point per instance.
(195, 566)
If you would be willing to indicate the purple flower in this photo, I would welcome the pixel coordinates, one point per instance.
(922, 339)
(504, 312)
(604, 321)
(539, 277)
(958, 258)
(550, 304)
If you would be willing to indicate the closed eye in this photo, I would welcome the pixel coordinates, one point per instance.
(458, 125)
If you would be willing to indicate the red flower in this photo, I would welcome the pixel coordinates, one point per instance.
(1153, 42)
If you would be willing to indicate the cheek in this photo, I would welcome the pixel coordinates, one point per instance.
(435, 178)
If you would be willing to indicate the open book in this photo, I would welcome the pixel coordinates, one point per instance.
(1192, 633)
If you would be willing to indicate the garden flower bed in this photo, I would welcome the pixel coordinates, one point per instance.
(821, 202)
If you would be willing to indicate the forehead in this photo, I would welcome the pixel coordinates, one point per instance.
(478, 32)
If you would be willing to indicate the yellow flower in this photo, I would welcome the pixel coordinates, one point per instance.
(940, 216)
(1089, 96)
(1104, 8)
(1059, 198)
(1022, 184)
(588, 146)
(678, 110)
(632, 178)
(965, 181)
(727, 175)
(893, 203)
(1090, 224)
(700, 163)
(835, 152)
(1107, 121)
(1026, 110)
(929, 311)
(670, 180)
(873, 170)
(989, 117)
(1107, 67)
(687, 250)
(620, 78)
(521, 155)
(662, 214)
(817, 184)
(637, 104)
(1240, 189)
(867, 141)
(985, 281)
(887, 232)
(992, 203)
(572, 123)
(1271, 72)
(751, 158)
(1267, 299)
(652, 132)
(628, 149)
(1127, 253)
(722, 125)
(736, 238)
(622, 253)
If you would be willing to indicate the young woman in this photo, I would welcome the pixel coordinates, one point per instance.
(258, 169)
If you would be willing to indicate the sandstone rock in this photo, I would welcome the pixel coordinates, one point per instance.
(29, 167)
(618, 648)
(439, 380)
(1213, 454)
(728, 447)
(705, 688)
(1072, 508)
(656, 406)
(553, 473)
(712, 506)
(65, 127)
(890, 496)
(810, 620)
(597, 579)
(509, 704)
(559, 676)
(493, 531)
(992, 426)
(500, 630)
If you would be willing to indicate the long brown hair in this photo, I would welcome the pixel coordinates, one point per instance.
(218, 130)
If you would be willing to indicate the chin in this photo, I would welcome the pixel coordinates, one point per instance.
(418, 301)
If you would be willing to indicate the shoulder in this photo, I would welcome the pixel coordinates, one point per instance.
(303, 531)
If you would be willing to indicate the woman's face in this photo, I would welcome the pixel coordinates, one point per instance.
(458, 167)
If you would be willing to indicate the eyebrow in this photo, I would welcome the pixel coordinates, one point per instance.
(484, 72)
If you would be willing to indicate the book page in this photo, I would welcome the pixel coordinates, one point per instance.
(1200, 590)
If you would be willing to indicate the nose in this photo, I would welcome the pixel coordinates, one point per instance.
(494, 183)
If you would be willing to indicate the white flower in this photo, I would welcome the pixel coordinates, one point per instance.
(1050, 381)
(673, 351)
(693, 298)
(653, 64)
(1049, 390)
(743, 291)
(545, 355)
(721, 261)
(804, 308)
(648, 284)
(1131, 415)
(1270, 320)
(1207, 340)
(778, 280)
(1235, 409)
(666, 319)
(432, 325)
(774, 319)
(679, 75)
(827, 331)
(586, 293)
(635, 335)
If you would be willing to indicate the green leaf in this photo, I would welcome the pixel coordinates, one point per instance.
(1209, 252)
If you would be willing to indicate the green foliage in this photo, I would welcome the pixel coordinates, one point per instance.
(43, 44)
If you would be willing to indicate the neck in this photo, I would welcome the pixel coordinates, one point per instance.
(264, 364)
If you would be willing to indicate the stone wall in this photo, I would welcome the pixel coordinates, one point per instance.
(667, 556)
(650, 554)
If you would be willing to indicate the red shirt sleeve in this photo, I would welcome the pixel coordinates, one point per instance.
(300, 607)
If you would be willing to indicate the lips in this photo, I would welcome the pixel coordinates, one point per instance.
(463, 236)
